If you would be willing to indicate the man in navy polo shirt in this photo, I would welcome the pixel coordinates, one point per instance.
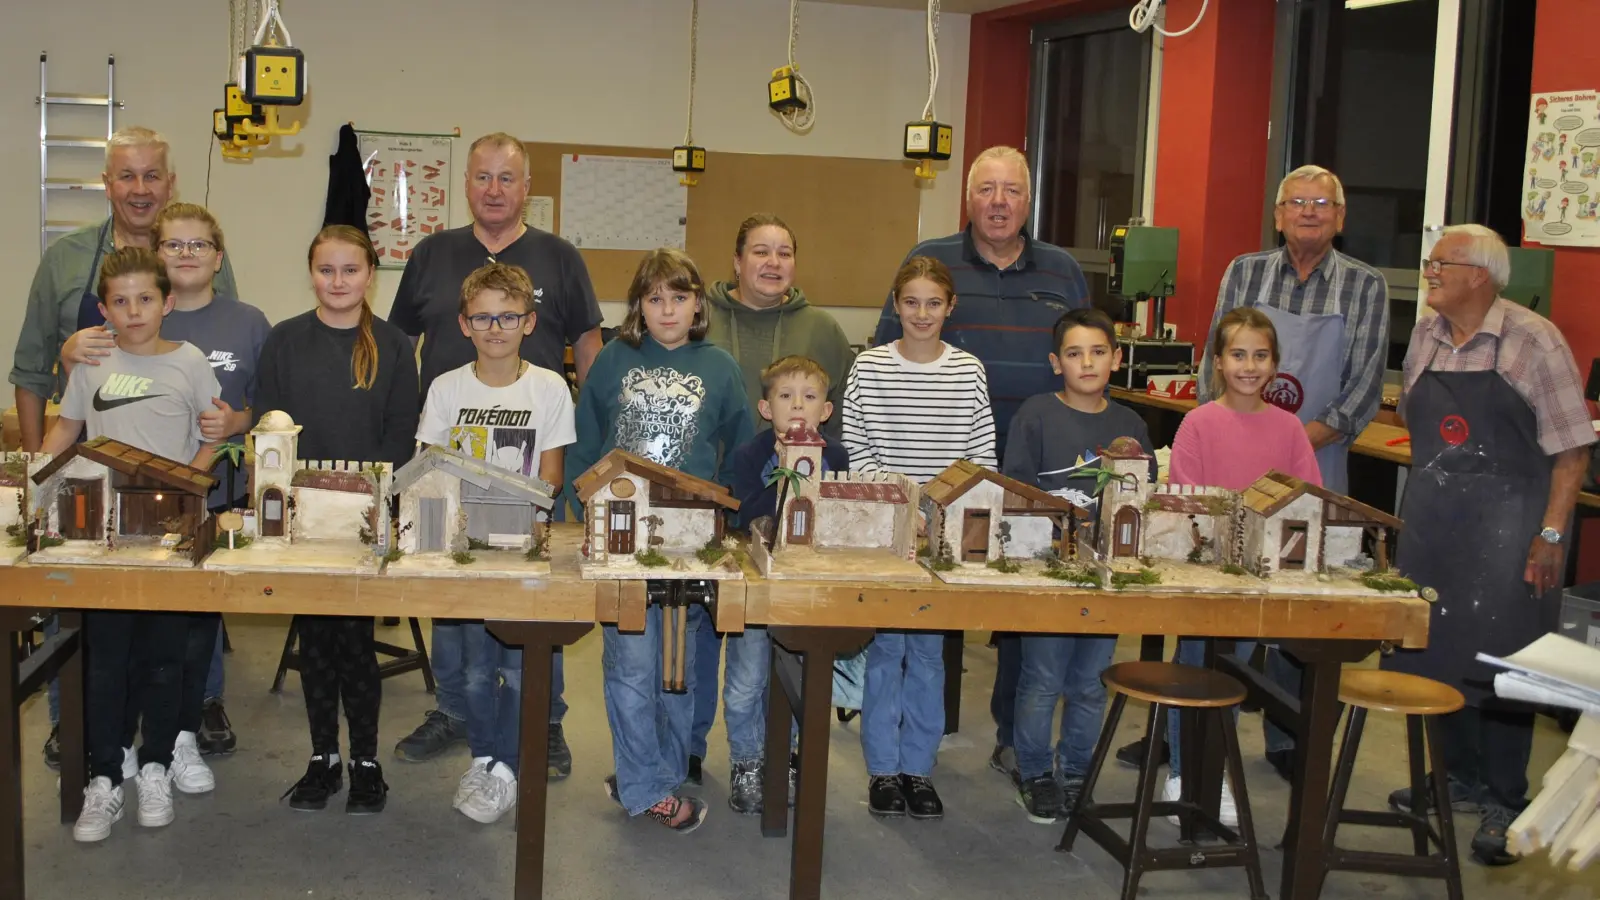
(1010, 290)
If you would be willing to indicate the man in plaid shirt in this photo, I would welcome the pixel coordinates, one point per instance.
(1500, 437)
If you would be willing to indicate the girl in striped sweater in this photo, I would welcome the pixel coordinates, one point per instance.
(912, 406)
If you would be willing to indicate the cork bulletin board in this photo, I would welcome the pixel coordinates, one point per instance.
(854, 219)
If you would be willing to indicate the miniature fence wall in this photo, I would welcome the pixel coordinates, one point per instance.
(336, 465)
(1190, 490)
(865, 477)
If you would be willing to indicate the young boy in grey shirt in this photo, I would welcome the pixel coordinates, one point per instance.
(148, 393)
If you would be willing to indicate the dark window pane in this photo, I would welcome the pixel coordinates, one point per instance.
(1089, 135)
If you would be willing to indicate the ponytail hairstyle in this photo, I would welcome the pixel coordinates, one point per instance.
(1246, 317)
(364, 362)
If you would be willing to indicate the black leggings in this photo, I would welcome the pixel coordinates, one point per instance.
(201, 647)
(135, 663)
(338, 661)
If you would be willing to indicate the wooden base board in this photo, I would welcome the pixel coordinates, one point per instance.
(10, 555)
(844, 564)
(485, 564)
(311, 557)
(94, 553)
(628, 569)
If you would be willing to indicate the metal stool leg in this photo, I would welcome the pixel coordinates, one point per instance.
(422, 650)
(1343, 769)
(288, 659)
(1421, 788)
(1138, 838)
(1441, 801)
(1101, 749)
(1241, 796)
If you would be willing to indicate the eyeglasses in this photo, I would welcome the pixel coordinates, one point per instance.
(196, 247)
(1433, 266)
(507, 321)
(1317, 203)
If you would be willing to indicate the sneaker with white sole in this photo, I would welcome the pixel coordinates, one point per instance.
(1227, 811)
(189, 772)
(472, 780)
(130, 764)
(155, 795)
(494, 797)
(102, 808)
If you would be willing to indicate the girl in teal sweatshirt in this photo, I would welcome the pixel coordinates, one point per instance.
(661, 392)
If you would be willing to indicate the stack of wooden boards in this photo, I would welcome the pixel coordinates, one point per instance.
(1565, 817)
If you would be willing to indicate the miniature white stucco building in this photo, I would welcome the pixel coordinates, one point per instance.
(447, 498)
(972, 504)
(632, 504)
(313, 500)
(862, 510)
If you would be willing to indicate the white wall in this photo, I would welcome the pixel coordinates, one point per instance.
(599, 72)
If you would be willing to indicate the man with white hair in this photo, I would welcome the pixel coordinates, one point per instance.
(1010, 290)
(139, 182)
(1499, 446)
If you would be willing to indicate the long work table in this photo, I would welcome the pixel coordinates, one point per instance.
(810, 622)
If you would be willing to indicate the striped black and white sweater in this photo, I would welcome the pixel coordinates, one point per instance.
(917, 418)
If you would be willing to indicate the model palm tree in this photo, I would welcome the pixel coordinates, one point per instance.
(233, 452)
(787, 479)
(1102, 479)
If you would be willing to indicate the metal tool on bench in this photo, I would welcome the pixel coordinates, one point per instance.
(1144, 261)
(674, 597)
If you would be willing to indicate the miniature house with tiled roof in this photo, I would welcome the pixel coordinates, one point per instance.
(979, 514)
(309, 500)
(449, 500)
(632, 505)
(103, 495)
(1285, 524)
(864, 510)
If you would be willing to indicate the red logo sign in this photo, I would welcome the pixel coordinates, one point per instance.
(1285, 392)
(1454, 430)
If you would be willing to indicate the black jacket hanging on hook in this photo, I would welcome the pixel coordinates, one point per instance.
(348, 193)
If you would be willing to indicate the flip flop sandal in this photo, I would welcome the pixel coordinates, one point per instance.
(665, 811)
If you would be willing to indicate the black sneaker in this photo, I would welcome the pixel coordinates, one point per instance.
(1489, 843)
(368, 792)
(434, 736)
(216, 735)
(922, 801)
(322, 780)
(1040, 798)
(885, 798)
(1462, 799)
(52, 749)
(696, 776)
(744, 793)
(1132, 755)
(1071, 787)
(560, 762)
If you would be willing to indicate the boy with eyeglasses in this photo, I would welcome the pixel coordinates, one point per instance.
(506, 411)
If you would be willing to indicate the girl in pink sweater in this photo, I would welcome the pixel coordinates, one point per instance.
(1230, 442)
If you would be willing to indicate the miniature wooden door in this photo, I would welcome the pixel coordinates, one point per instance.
(619, 538)
(79, 508)
(272, 512)
(800, 522)
(1125, 537)
(975, 535)
(1293, 554)
(430, 525)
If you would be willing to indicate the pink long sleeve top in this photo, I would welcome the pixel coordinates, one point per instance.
(1217, 447)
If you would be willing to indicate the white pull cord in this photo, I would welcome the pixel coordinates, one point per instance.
(1145, 12)
(928, 114)
(694, 58)
(794, 119)
(269, 15)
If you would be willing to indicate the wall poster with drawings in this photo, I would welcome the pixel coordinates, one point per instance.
(1561, 187)
(411, 180)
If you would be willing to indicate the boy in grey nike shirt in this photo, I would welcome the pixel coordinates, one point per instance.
(148, 393)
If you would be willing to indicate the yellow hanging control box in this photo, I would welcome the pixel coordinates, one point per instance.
(273, 75)
(783, 91)
(928, 139)
(236, 107)
(688, 158)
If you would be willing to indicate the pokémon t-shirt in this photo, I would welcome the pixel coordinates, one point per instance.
(508, 426)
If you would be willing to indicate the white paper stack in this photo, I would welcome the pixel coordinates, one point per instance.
(1553, 670)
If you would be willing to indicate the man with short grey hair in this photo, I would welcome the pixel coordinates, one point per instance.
(1500, 437)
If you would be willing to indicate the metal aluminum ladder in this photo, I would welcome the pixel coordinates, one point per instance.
(49, 140)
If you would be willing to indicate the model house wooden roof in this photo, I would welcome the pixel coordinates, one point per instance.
(473, 471)
(1273, 491)
(1124, 448)
(617, 462)
(333, 480)
(797, 436)
(962, 475)
(132, 461)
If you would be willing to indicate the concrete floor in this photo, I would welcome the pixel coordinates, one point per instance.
(240, 841)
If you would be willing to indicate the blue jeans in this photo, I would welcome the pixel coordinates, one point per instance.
(214, 677)
(649, 727)
(1003, 698)
(902, 710)
(744, 694)
(707, 661)
(1193, 653)
(1060, 667)
(448, 659)
(494, 696)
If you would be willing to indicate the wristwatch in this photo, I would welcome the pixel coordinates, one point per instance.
(1550, 536)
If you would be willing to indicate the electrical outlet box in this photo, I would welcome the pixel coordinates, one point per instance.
(783, 91)
(688, 158)
(274, 75)
(928, 140)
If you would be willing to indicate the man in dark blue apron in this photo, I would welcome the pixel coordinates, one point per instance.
(139, 182)
(1499, 445)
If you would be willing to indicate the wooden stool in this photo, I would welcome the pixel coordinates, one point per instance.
(1422, 701)
(403, 660)
(1167, 685)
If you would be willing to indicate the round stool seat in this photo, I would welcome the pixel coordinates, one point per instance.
(1398, 692)
(1172, 684)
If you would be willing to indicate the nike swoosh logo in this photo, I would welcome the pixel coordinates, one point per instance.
(219, 363)
(101, 404)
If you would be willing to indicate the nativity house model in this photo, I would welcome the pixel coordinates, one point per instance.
(450, 502)
(980, 516)
(299, 500)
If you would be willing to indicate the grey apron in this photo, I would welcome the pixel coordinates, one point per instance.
(1310, 371)
(1474, 502)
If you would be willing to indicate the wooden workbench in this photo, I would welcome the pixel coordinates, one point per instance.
(810, 622)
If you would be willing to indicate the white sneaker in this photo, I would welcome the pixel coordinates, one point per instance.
(1227, 810)
(130, 764)
(495, 795)
(155, 795)
(102, 807)
(189, 772)
(472, 780)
